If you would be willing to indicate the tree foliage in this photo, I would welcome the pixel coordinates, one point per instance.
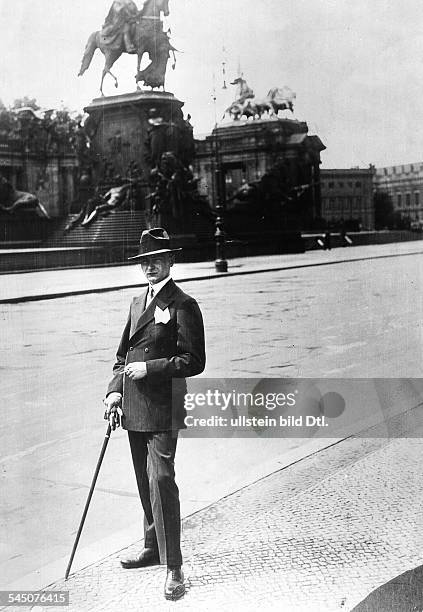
(40, 131)
(26, 101)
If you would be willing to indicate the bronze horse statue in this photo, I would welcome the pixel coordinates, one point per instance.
(248, 106)
(148, 38)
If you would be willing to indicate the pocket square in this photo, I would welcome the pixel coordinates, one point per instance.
(161, 316)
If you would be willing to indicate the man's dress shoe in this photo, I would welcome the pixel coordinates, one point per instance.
(147, 557)
(174, 585)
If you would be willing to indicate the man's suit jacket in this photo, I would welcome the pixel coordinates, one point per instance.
(172, 351)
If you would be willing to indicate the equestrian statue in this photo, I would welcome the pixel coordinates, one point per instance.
(128, 30)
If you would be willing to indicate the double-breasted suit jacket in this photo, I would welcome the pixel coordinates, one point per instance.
(172, 350)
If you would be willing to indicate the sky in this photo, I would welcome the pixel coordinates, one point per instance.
(355, 65)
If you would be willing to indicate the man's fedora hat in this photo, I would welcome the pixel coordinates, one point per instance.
(154, 242)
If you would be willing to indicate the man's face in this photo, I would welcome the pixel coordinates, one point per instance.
(157, 267)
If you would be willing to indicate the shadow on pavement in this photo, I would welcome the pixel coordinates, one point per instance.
(402, 594)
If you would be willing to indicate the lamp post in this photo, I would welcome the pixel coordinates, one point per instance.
(220, 263)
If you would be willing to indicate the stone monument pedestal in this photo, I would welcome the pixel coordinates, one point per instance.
(118, 127)
(143, 136)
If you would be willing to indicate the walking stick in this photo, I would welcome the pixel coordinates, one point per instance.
(90, 494)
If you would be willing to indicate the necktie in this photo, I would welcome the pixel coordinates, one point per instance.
(150, 296)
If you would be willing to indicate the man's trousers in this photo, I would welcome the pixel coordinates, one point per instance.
(153, 455)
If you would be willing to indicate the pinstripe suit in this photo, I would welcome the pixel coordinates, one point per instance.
(154, 406)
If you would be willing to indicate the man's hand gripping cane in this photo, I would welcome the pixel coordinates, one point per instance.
(113, 412)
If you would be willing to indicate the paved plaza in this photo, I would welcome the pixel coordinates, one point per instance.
(19, 287)
(318, 536)
(286, 525)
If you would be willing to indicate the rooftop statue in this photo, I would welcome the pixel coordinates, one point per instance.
(247, 105)
(128, 30)
(244, 91)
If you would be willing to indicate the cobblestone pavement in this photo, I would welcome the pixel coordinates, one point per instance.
(317, 536)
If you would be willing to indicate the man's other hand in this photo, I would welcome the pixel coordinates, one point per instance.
(136, 370)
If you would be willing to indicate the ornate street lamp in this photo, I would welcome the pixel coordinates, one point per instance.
(220, 263)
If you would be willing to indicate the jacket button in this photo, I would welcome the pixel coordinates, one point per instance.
(131, 348)
(146, 350)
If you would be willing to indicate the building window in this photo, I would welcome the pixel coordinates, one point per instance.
(399, 200)
(234, 179)
(341, 184)
(358, 183)
(417, 198)
(331, 185)
(408, 200)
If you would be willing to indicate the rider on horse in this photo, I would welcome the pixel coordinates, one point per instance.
(119, 25)
(127, 30)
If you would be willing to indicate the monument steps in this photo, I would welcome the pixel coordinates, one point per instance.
(122, 227)
(106, 241)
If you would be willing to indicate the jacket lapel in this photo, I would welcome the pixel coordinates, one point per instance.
(140, 317)
(165, 296)
(137, 311)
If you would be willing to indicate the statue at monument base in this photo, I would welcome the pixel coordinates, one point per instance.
(15, 202)
(118, 193)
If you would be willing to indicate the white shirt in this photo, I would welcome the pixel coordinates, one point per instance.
(157, 287)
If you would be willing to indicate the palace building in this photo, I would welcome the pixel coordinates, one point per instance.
(404, 183)
(250, 152)
(347, 197)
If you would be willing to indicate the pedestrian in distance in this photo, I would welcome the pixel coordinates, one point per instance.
(162, 344)
(327, 241)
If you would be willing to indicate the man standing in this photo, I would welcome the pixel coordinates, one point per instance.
(162, 343)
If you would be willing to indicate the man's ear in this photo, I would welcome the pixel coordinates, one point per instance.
(171, 259)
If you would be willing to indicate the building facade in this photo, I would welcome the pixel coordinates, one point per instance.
(252, 153)
(347, 197)
(52, 179)
(38, 156)
(404, 183)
